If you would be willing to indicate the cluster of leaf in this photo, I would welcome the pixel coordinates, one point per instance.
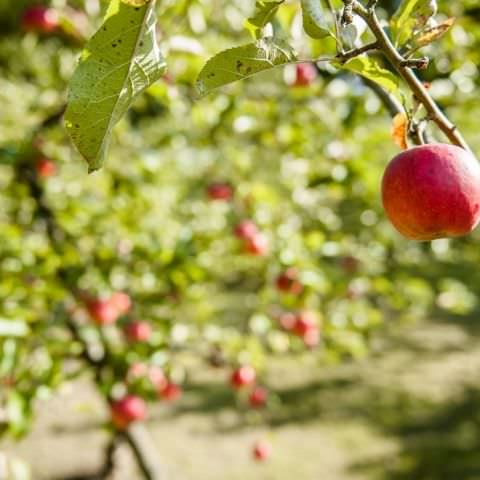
(305, 165)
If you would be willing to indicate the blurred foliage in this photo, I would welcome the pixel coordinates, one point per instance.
(305, 164)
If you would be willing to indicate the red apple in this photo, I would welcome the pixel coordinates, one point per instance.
(257, 245)
(45, 167)
(432, 191)
(305, 322)
(137, 370)
(121, 301)
(171, 392)
(311, 338)
(258, 397)
(127, 410)
(102, 312)
(262, 450)
(138, 331)
(40, 19)
(306, 73)
(288, 282)
(288, 320)
(246, 229)
(243, 376)
(220, 191)
(157, 377)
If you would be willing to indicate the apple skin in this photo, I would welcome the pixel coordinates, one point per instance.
(257, 245)
(40, 19)
(262, 450)
(258, 397)
(127, 410)
(305, 322)
(432, 191)
(121, 301)
(246, 229)
(288, 282)
(243, 376)
(220, 191)
(103, 312)
(306, 73)
(45, 167)
(171, 392)
(138, 331)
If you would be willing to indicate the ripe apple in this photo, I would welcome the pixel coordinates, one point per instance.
(121, 301)
(127, 410)
(102, 312)
(306, 73)
(432, 191)
(257, 245)
(171, 392)
(40, 19)
(45, 167)
(311, 338)
(243, 376)
(157, 377)
(262, 450)
(305, 322)
(288, 320)
(137, 370)
(258, 397)
(288, 282)
(246, 229)
(220, 191)
(138, 331)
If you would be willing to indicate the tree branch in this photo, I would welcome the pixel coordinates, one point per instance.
(397, 61)
(346, 56)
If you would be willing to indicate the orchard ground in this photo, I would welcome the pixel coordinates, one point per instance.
(400, 414)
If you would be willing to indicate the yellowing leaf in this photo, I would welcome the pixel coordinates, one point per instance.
(399, 130)
(431, 34)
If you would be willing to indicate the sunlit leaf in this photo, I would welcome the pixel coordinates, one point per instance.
(369, 68)
(264, 12)
(315, 22)
(407, 18)
(120, 61)
(242, 62)
(13, 328)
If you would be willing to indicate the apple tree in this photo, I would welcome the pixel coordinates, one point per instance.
(230, 222)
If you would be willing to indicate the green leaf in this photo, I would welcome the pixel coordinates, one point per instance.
(13, 328)
(369, 68)
(264, 12)
(243, 62)
(410, 15)
(315, 22)
(120, 61)
(18, 413)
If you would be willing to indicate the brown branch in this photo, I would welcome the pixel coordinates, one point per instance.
(419, 91)
(346, 56)
(137, 438)
(141, 443)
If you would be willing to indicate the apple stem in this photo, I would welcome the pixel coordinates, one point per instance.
(398, 62)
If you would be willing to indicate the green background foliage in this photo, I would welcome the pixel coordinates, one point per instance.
(305, 164)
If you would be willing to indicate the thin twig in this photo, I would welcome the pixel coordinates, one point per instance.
(346, 56)
(419, 91)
